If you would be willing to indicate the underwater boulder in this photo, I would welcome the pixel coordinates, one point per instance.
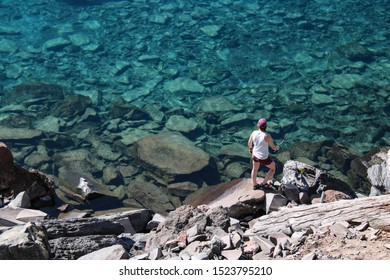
(34, 92)
(72, 106)
(356, 52)
(174, 158)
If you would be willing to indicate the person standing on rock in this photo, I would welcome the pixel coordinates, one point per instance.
(258, 144)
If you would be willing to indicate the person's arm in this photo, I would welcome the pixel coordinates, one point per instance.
(250, 143)
(270, 142)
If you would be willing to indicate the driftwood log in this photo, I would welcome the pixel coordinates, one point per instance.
(374, 210)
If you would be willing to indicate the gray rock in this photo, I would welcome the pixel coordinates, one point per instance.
(165, 154)
(155, 254)
(227, 242)
(79, 39)
(304, 198)
(356, 52)
(30, 215)
(114, 252)
(81, 227)
(240, 199)
(56, 44)
(190, 250)
(234, 151)
(211, 30)
(200, 256)
(181, 124)
(183, 85)
(138, 218)
(266, 245)
(8, 217)
(155, 222)
(182, 189)
(232, 255)
(340, 230)
(362, 227)
(26, 242)
(274, 201)
(22, 200)
(193, 231)
(112, 176)
(310, 256)
(9, 30)
(379, 173)
(8, 46)
(313, 180)
(322, 99)
(291, 192)
(346, 81)
(216, 104)
(240, 119)
(71, 107)
(19, 134)
(49, 124)
(72, 248)
(144, 256)
(145, 194)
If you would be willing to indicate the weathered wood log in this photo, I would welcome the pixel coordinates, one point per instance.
(374, 210)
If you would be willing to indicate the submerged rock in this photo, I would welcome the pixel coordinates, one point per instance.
(173, 157)
(356, 52)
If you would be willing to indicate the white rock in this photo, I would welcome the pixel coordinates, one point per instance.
(30, 215)
(22, 200)
(232, 255)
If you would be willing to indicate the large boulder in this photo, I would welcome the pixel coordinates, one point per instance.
(25, 242)
(72, 248)
(174, 158)
(45, 93)
(314, 181)
(15, 179)
(71, 106)
(240, 200)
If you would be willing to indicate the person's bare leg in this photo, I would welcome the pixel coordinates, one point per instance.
(255, 169)
(270, 173)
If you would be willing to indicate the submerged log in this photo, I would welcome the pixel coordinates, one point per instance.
(374, 210)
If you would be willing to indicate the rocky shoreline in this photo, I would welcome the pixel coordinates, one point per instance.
(87, 89)
(119, 106)
(236, 222)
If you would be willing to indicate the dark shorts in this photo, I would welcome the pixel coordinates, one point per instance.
(266, 161)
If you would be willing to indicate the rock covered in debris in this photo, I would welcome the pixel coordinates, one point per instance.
(299, 177)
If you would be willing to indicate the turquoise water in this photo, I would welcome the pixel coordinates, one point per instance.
(317, 70)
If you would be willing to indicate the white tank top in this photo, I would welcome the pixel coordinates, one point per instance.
(260, 147)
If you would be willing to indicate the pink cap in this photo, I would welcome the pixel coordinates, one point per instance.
(261, 122)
